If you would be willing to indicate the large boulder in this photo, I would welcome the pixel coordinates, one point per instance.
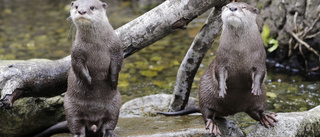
(305, 123)
(283, 18)
(149, 105)
(138, 118)
(297, 124)
(193, 126)
(29, 115)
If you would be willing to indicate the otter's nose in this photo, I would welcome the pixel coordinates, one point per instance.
(82, 12)
(233, 8)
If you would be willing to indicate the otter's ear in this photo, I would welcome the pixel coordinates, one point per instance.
(72, 3)
(104, 5)
(255, 10)
(224, 7)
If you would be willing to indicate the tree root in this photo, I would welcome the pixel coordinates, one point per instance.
(299, 36)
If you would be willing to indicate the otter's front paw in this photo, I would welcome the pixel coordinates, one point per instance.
(222, 91)
(256, 90)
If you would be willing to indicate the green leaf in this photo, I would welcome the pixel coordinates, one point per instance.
(275, 45)
(265, 34)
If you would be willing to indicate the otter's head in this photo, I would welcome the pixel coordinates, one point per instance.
(238, 14)
(88, 12)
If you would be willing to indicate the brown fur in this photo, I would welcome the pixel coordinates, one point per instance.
(92, 101)
(234, 81)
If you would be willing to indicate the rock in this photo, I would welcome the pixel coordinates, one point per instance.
(289, 124)
(299, 124)
(292, 16)
(30, 115)
(149, 105)
(168, 126)
(138, 118)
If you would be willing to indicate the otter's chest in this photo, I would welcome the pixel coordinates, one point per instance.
(237, 57)
(95, 56)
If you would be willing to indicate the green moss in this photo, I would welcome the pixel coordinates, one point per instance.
(271, 95)
(141, 65)
(148, 73)
(159, 83)
(155, 58)
(124, 84)
(303, 109)
(31, 114)
(157, 68)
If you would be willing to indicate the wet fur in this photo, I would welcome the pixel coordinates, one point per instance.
(234, 81)
(92, 101)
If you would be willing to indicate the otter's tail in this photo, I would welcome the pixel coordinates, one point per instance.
(61, 127)
(182, 112)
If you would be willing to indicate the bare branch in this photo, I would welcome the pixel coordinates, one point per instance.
(312, 35)
(193, 58)
(304, 43)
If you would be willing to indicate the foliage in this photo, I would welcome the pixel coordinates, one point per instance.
(267, 40)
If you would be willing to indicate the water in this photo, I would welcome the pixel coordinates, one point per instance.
(39, 29)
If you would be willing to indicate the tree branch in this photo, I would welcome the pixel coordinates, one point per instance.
(193, 58)
(305, 44)
(32, 78)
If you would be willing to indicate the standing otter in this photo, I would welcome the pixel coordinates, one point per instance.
(92, 101)
(234, 81)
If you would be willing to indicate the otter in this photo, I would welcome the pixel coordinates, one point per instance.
(92, 101)
(234, 81)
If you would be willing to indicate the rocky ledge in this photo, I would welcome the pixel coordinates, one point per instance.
(304, 124)
(138, 118)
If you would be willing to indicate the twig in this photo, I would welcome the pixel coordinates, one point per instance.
(312, 25)
(316, 68)
(312, 35)
(301, 33)
(295, 46)
(295, 21)
(305, 44)
(290, 46)
(305, 59)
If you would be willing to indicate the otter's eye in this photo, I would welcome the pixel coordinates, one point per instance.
(92, 8)
(244, 7)
(76, 7)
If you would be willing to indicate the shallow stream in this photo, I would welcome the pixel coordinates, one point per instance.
(40, 29)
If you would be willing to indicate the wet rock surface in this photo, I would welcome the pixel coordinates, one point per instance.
(30, 115)
(149, 105)
(138, 118)
(290, 124)
(298, 124)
